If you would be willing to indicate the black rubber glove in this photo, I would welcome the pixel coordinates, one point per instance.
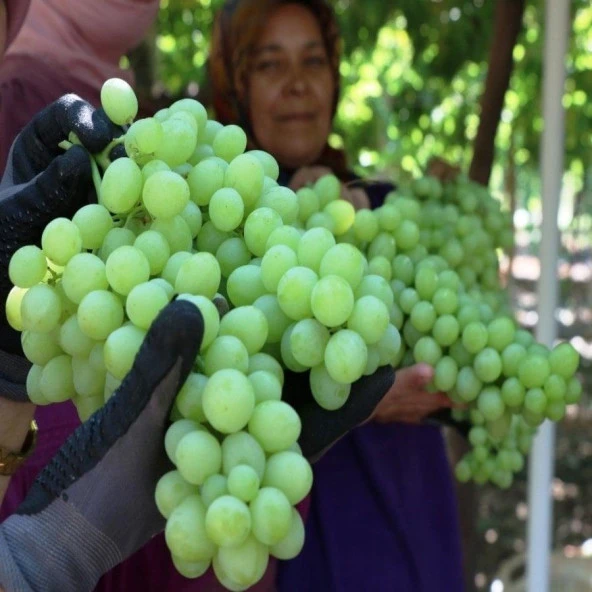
(42, 182)
(322, 428)
(93, 505)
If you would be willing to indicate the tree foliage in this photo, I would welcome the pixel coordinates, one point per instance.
(413, 73)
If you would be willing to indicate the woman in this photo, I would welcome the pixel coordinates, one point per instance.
(383, 514)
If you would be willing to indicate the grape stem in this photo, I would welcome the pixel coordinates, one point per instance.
(102, 158)
(96, 175)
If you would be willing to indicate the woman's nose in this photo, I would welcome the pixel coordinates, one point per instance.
(296, 82)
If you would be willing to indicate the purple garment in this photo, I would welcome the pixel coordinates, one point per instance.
(383, 513)
(383, 517)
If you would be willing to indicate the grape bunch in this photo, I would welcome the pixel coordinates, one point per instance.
(284, 280)
(436, 247)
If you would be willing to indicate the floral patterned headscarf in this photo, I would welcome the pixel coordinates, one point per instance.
(237, 28)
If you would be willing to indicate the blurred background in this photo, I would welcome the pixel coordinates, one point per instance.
(416, 86)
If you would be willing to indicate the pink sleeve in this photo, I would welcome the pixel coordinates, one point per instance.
(16, 11)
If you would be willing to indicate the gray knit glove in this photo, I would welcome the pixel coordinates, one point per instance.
(93, 504)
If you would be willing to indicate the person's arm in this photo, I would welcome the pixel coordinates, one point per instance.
(15, 422)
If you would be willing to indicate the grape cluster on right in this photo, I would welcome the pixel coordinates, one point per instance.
(440, 259)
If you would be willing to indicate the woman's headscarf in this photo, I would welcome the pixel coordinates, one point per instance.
(237, 28)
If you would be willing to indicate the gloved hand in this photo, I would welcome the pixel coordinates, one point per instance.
(42, 182)
(322, 428)
(93, 505)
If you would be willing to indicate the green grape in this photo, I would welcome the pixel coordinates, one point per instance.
(144, 302)
(185, 531)
(258, 226)
(512, 356)
(513, 392)
(197, 456)
(228, 521)
(313, 246)
(332, 300)
(535, 401)
(119, 101)
(389, 346)
(56, 382)
(213, 487)
(383, 245)
(555, 387)
(83, 274)
(226, 352)
(369, 318)
(446, 330)
(475, 337)
(248, 324)
(127, 267)
(271, 514)
(564, 360)
(245, 175)
(282, 200)
(72, 340)
(346, 356)
(231, 254)
(39, 348)
(243, 483)
(154, 166)
(226, 209)
(343, 260)
(501, 333)
(408, 299)
(574, 391)
(374, 285)
(308, 340)
(263, 361)
(229, 142)
(244, 285)
(490, 403)
(268, 162)
(407, 235)
(165, 194)
(192, 216)
(277, 320)
(468, 385)
(205, 179)
(179, 139)
(170, 491)
(294, 292)
(27, 267)
(142, 139)
(33, 385)
(533, 371)
(290, 473)
(99, 314)
(189, 398)
(61, 240)
(94, 222)
(275, 263)
(288, 236)
(445, 374)
(365, 225)
(423, 316)
(121, 186)
(343, 215)
(40, 309)
(380, 266)
(555, 410)
(243, 449)
(427, 350)
(238, 568)
(155, 248)
(266, 386)
(275, 425)
(121, 348)
(13, 308)
(291, 545)
(175, 432)
(116, 237)
(488, 365)
(327, 392)
(199, 274)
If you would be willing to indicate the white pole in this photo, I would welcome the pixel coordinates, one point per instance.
(540, 502)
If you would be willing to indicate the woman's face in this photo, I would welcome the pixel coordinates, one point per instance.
(291, 87)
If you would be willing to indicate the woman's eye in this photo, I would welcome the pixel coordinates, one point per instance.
(267, 65)
(316, 61)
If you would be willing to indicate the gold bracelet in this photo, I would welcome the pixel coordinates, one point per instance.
(10, 462)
